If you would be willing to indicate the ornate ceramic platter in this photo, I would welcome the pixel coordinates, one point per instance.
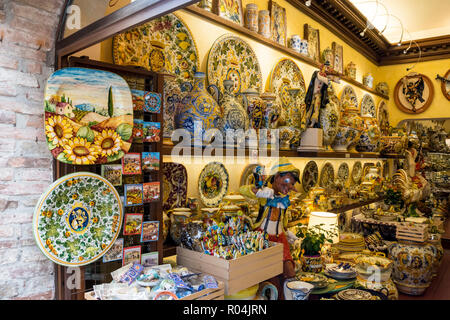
(285, 75)
(326, 175)
(368, 108)
(174, 185)
(88, 116)
(77, 219)
(213, 184)
(354, 294)
(231, 58)
(164, 43)
(383, 117)
(349, 98)
(310, 176)
(357, 172)
(343, 173)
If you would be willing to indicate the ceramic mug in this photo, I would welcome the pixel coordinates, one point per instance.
(251, 17)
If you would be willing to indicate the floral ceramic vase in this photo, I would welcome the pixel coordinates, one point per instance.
(304, 47)
(200, 107)
(312, 263)
(368, 80)
(351, 118)
(369, 140)
(345, 136)
(329, 119)
(296, 117)
(287, 136)
(413, 266)
(251, 17)
(255, 108)
(435, 241)
(264, 23)
(271, 110)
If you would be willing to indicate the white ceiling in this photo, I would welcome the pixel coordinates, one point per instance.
(420, 18)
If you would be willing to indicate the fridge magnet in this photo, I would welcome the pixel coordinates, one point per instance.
(131, 255)
(138, 130)
(150, 161)
(133, 195)
(138, 100)
(133, 224)
(115, 253)
(150, 231)
(149, 259)
(152, 131)
(131, 163)
(112, 173)
(151, 191)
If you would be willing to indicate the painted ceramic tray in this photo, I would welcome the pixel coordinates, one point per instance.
(326, 175)
(163, 43)
(174, 185)
(343, 173)
(232, 58)
(78, 219)
(357, 172)
(349, 98)
(310, 176)
(285, 75)
(213, 184)
(88, 116)
(368, 108)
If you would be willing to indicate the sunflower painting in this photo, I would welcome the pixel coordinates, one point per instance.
(88, 116)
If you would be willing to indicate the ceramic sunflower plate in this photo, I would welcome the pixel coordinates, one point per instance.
(88, 116)
(231, 58)
(77, 219)
(213, 184)
(174, 185)
(368, 108)
(164, 43)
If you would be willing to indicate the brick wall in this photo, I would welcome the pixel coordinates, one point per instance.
(27, 40)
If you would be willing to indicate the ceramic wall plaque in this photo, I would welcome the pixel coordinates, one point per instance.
(77, 219)
(414, 93)
(326, 175)
(230, 10)
(213, 184)
(231, 58)
(349, 100)
(278, 23)
(368, 108)
(357, 172)
(174, 185)
(312, 36)
(338, 57)
(88, 116)
(163, 44)
(310, 176)
(343, 173)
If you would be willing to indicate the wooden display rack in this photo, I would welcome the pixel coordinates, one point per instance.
(412, 232)
(237, 274)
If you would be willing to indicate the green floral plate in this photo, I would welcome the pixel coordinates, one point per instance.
(77, 219)
(213, 184)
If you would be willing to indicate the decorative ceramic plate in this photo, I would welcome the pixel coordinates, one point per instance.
(77, 219)
(310, 176)
(213, 184)
(88, 116)
(343, 173)
(368, 106)
(285, 75)
(354, 294)
(317, 279)
(163, 43)
(174, 185)
(248, 179)
(357, 172)
(231, 58)
(349, 98)
(326, 175)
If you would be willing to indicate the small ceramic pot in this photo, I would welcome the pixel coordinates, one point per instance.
(251, 17)
(345, 136)
(304, 47)
(255, 108)
(264, 23)
(295, 43)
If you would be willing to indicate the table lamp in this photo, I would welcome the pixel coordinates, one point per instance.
(328, 222)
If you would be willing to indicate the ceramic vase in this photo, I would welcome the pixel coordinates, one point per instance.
(296, 117)
(312, 263)
(251, 17)
(329, 122)
(271, 110)
(368, 80)
(286, 136)
(413, 266)
(370, 137)
(295, 43)
(255, 108)
(345, 136)
(304, 47)
(264, 24)
(174, 99)
(200, 107)
(350, 70)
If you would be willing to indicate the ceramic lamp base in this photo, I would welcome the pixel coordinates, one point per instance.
(312, 140)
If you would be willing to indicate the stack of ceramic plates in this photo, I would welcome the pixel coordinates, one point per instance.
(318, 280)
(350, 242)
(341, 270)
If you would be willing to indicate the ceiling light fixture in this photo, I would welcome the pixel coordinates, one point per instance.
(308, 3)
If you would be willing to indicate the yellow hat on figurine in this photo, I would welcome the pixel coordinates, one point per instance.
(284, 165)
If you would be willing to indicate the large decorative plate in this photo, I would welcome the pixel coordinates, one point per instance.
(343, 173)
(326, 175)
(414, 93)
(355, 294)
(310, 176)
(231, 58)
(357, 172)
(349, 98)
(164, 43)
(368, 108)
(77, 219)
(383, 117)
(213, 184)
(285, 75)
(445, 85)
(88, 116)
(174, 185)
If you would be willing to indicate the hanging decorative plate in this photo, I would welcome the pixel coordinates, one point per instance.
(368, 108)
(77, 219)
(174, 185)
(247, 178)
(310, 176)
(348, 98)
(286, 75)
(213, 184)
(343, 173)
(88, 116)
(231, 58)
(357, 172)
(445, 84)
(326, 175)
(164, 43)
(383, 118)
(414, 93)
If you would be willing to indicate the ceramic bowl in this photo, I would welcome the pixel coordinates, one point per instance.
(373, 267)
(345, 136)
(316, 279)
(297, 290)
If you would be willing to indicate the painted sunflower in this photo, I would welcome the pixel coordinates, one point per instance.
(80, 151)
(108, 143)
(58, 130)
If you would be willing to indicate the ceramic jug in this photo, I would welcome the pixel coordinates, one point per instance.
(369, 140)
(255, 108)
(271, 110)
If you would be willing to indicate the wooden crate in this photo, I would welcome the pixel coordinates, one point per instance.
(412, 232)
(236, 274)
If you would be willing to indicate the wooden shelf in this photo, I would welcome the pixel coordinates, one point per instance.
(268, 42)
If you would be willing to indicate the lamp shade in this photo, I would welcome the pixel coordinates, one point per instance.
(328, 222)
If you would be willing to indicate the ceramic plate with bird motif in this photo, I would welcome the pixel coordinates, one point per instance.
(213, 184)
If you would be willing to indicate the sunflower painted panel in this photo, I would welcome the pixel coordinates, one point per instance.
(164, 43)
(231, 58)
(88, 116)
(77, 219)
(213, 184)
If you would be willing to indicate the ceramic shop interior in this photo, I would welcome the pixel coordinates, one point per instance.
(213, 221)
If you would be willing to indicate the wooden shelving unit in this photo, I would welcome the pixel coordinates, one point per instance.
(257, 37)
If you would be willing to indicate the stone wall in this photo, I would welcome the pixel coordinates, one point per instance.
(27, 40)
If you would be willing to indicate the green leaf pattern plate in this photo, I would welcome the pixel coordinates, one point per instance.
(213, 184)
